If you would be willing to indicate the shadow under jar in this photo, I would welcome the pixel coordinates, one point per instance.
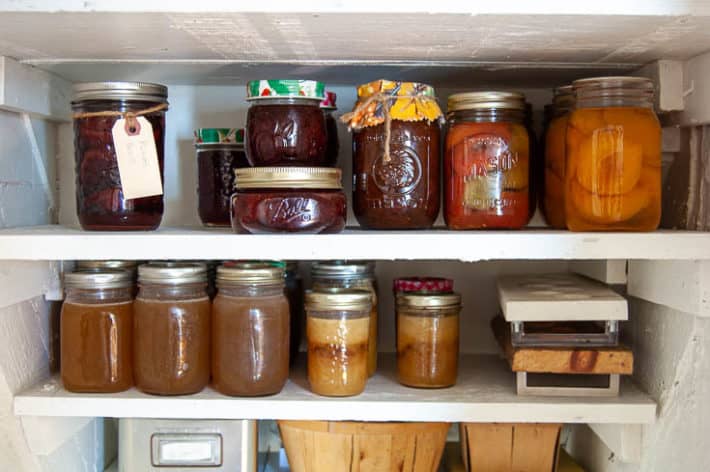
(100, 202)
(285, 125)
(250, 331)
(288, 200)
(96, 326)
(172, 329)
(396, 161)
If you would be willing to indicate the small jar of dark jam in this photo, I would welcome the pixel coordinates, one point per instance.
(288, 200)
(100, 202)
(285, 125)
(396, 155)
(331, 125)
(219, 152)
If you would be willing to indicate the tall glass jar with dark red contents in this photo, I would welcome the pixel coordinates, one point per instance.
(285, 125)
(331, 125)
(100, 202)
(396, 155)
(219, 152)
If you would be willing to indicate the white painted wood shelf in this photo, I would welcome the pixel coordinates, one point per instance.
(62, 243)
(485, 392)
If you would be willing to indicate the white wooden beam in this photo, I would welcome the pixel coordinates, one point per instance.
(27, 89)
(668, 78)
(625, 440)
(610, 271)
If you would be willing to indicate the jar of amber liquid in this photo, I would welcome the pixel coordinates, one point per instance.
(172, 328)
(555, 157)
(428, 339)
(359, 275)
(294, 293)
(337, 328)
(250, 330)
(486, 165)
(613, 174)
(96, 326)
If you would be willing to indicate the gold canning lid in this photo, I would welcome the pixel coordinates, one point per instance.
(288, 177)
(337, 299)
(486, 101)
(250, 273)
(420, 300)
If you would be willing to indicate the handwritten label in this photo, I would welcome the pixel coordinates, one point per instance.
(137, 159)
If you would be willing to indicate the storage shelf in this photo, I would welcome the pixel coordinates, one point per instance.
(485, 392)
(62, 243)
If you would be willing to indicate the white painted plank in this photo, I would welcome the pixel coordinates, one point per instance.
(27, 89)
(485, 392)
(609, 272)
(62, 243)
(668, 79)
(45, 434)
(625, 440)
(696, 92)
(24, 280)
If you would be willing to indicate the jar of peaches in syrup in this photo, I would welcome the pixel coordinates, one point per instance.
(613, 174)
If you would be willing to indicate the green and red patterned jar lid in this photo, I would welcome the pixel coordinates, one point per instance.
(264, 89)
(328, 102)
(220, 136)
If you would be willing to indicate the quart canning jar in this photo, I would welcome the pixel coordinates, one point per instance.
(555, 157)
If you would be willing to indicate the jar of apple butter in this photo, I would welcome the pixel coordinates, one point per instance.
(337, 327)
(172, 328)
(96, 326)
(250, 330)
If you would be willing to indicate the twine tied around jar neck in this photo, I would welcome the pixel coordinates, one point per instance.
(133, 128)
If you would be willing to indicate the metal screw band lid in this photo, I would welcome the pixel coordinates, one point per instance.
(486, 101)
(124, 265)
(420, 300)
(250, 274)
(93, 278)
(343, 270)
(172, 273)
(288, 177)
(338, 299)
(137, 91)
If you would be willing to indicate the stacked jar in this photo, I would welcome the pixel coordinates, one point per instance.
(291, 186)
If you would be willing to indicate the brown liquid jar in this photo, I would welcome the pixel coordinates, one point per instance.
(428, 339)
(172, 329)
(337, 328)
(250, 331)
(100, 203)
(96, 331)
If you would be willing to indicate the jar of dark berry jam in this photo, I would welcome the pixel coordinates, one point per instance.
(97, 106)
(396, 155)
(288, 200)
(331, 125)
(219, 152)
(285, 125)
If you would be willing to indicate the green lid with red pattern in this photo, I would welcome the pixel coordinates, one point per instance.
(219, 136)
(264, 89)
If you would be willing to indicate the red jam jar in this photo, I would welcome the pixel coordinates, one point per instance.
(100, 202)
(285, 125)
(288, 200)
(220, 151)
(422, 285)
(331, 125)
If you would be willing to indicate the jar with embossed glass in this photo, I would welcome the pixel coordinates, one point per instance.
(396, 155)
(288, 200)
(486, 163)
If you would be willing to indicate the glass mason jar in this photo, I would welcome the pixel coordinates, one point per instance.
(172, 328)
(294, 293)
(613, 174)
(428, 339)
(219, 152)
(96, 326)
(555, 157)
(331, 125)
(285, 125)
(250, 331)
(337, 328)
(396, 155)
(359, 275)
(100, 203)
(486, 165)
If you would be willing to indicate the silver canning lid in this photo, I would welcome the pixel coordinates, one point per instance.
(343, 270)
(640, 83)
(250, 274)
(442, 300)
(324, 178)
(124, 265)
(172, 273)
(338, 299)
(98, 279)
(486, 100)
(136, 91)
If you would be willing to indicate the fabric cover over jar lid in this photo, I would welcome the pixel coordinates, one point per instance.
(233, 136)
(285, 88)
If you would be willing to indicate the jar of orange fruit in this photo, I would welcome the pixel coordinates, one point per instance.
(486, 166)
(553, 195)
(613, 173)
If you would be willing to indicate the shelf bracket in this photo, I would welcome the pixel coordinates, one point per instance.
(609, 271)
(625, 440)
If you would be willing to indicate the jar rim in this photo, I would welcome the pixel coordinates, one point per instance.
(428, 300)
(334, 299)
(251, 274)
(98, 278)
(172, 273)
(109, 264)
(343, 270)
(486, 100)
(288, 177)
(109, 90)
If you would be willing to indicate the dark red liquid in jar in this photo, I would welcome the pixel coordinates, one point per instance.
(100, 203)
(333, 145)
(404, 192)
(286, 134)
(215, 169)
(288, 211)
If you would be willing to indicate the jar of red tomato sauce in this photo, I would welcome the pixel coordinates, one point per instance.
(486, 164)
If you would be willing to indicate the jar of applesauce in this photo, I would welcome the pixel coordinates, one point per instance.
(96, 326)
(613, 174)
(250, 330)
(337, 328)
(359, 275)
(555, 157)
(486, 164)
(428, 339)
(172, 328)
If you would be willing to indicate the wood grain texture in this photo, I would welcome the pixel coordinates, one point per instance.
(604, 360)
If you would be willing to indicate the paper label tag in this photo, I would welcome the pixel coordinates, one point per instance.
(137, 158)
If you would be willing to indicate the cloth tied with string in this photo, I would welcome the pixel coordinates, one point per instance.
(132, 126)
